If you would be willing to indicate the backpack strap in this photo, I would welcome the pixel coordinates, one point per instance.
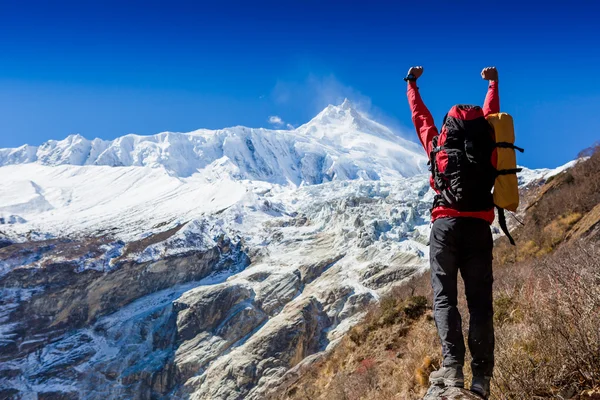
(443, 197)
(508, 171)
(507, 145)
(502, 222)
(432, 163)
(438, 200)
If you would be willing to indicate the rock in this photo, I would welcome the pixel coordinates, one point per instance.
(9, 393)
(58, 396)
(196, 354)
(203, 309)
(276, 291)
(441, 393)
(258, 276)
(587, 225)
(310, 272)
(84, 326)
(356, 303)
(4, 242)
(335, 299)
(241, 323)
(65, 300)
(372, 269)
(209, 321)
(282, 343)
(389, 275)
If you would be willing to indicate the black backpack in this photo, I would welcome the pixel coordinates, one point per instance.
(461, 160)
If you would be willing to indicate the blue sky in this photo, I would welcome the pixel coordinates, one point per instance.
(105, 69)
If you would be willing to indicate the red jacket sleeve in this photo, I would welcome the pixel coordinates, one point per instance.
(492, 100)
(422, 118)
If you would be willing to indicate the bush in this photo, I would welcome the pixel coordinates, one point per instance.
(554, 348)
(415, 307)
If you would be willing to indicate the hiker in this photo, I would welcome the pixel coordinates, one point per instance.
(461, 238)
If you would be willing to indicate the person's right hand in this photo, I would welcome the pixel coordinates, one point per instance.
(416, 71)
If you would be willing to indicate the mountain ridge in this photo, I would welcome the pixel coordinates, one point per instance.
(339, 143)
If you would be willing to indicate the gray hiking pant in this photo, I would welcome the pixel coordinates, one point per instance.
(465, 245)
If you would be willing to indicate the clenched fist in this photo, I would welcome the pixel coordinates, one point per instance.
(490, 74)
(416, 71)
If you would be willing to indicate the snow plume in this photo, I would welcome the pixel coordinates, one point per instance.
(316, 92)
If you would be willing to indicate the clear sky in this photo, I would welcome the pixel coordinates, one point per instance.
(108, 68)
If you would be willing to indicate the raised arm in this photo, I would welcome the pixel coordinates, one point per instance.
(421, 117)
(492, 99)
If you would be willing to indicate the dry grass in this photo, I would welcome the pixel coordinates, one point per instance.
(548, 326)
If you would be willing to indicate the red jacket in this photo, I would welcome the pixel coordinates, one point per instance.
(426, 130)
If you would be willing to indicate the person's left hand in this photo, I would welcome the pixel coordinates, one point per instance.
(490, 74)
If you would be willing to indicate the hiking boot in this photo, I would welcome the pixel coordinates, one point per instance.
(481, 386)
(448, 376)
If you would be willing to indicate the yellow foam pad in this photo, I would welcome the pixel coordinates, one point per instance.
(506, 187)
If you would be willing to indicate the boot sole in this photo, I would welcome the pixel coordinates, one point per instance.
(459, 383)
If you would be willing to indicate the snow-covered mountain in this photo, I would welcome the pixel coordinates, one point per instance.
(72, 186)
(338, 144)
(203, 265)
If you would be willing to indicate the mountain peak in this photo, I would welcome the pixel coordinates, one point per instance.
(346, 104)
(343, 113)
(75, 136)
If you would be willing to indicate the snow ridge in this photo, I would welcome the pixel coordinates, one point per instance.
(338, 144)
